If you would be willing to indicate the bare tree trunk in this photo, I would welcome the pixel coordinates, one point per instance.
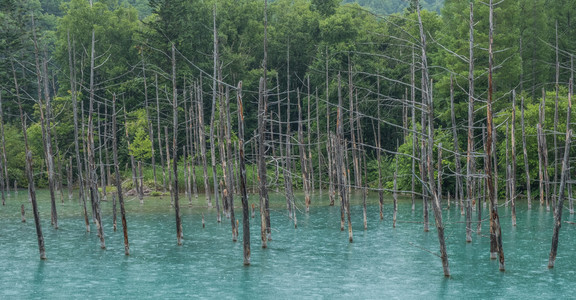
(30, 174)
(148, 120)
(175, 149)
(565, 172)
(262, 164)
(351, 119)
(202, 138)
(543, 147)
(513, 173)
(318, 150)
(525, 152)
(135, 181)
(427, 96)
(470, 164)
(495, 231)
(193, 146)
(3, 164)
(119, 179)
(42, 82)
(92, 178)
(288, 167)
(243, 191)
(342, 178)
(554, 135)
(379, 156)
(414, 131)
(73, 93)
(162, 162)
(329, 150)
(213, 115)
(5, 180)
(263, 112)
(395, 192)
(309, 154)
(302, 151)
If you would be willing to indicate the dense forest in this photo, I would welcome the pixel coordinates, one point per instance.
(442, 99)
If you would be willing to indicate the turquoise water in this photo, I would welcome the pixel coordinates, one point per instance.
(313, 261)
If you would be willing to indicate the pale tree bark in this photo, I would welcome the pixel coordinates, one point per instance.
(525, 153)
(427, 95)
(495, 231)
(561, 196)
(119, 179)
(470, 163)
(243, 191)
(213, 115)
(30, 174)
(513, 173)
(175, 149)
(302, 152)
(73, 94)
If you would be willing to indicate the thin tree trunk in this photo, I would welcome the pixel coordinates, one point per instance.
(175, 149)
(554, 135)
(427, 96)
(470, 164)
(414, 131)
(92, 178)
(379, 156)
(119, 179)
(564, 174)
(213, 115)
(355, 162)
(513, 173)
(302, 151)
(42, 82)
(525, 152)
(29, 173)
(74, 100)
(395, 192)
(243, 191)
(162, 162)
(345, 205)
(495, 231)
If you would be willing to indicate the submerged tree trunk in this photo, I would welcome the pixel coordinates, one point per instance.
(427, 96)
(243, 192)
(73, 94)
(119, 179)
(495, 231)
(469, 157)
(565, 170)
(302, 152)
(513, 173)
(30, 174)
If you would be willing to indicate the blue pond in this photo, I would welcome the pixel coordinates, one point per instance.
(314, 260)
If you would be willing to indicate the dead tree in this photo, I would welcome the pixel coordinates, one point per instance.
(73, 94)
(495, 231)
(469, 157)
(243, 191)
(213, 114)
(341, 166)
(561, 196)
(302, 151)
(427, 98)
(42, 87)
(525, 152)
(163, 163)
(543, 155)
(513, 173)
(29, 173)
(175, 149)
(118, 178)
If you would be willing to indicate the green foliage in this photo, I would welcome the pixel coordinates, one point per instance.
(141, 146)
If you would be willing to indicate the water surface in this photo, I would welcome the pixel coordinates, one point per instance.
(313, 261)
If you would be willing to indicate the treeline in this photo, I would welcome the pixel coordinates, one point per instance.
(309, 43)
